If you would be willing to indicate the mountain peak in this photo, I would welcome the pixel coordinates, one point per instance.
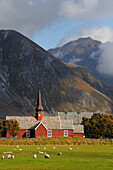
(81, 41)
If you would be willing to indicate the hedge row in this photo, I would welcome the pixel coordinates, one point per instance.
(56, 141)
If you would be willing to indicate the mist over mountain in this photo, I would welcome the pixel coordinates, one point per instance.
(25, 67)
(92, 54)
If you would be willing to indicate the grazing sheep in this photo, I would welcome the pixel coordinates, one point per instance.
(38, 148)
(2, 157)
(34, 156)
(47, 156)
(8, 156)
(69, 148)
(12, 156)
(14, 149)
(77, 148)
(44, 148)
(53, 147)
(20, 149)
(40, 152)
(7, 152)
(60, 153)
(17, 146)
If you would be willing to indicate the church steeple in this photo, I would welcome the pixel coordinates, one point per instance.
(39, 108)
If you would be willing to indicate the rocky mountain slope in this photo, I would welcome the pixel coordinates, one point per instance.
(81, 52)
(25, 66)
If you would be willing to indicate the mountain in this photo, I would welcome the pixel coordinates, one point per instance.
(25, 67)
(81, 52)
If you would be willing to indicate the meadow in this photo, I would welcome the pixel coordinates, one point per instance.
(87, 157)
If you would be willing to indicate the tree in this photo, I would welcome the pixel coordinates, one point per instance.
(9, 125)
(99, 126)
(14, 128)
(5, 126)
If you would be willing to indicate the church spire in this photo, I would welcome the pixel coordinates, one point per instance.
(39, 102)
(39, 108)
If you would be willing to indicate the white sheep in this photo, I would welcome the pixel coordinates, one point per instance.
(47, 156)
(17, 146)
(12, 156)
(2, 157)
(8, 156)
(34, 156)
(38, 148)
(44, 148)
(77, 148)
(20, 149)
(40, 152)
(60, 153)
(69, 148)
(7, 152)
(53, 147)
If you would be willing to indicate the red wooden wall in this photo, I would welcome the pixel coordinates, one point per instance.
(40, 131)
(60, 132)
(22, 134)
(78, 134)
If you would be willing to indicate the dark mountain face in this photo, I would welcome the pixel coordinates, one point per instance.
(81, 52)
(25, 66)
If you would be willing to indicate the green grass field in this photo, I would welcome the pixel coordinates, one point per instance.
(85, 158)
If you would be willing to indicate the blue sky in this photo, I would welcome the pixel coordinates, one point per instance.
(50, 36)
(52, 23)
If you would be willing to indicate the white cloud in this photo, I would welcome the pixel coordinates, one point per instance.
(105, 63)
(31, 2)
(102, 33)
(87, 9)
(75, 60)
(65, 40)
(28, 16)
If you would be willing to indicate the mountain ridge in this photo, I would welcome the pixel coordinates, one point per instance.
(85, 52)
(25, 66)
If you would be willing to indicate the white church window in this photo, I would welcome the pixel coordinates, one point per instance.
(49, 133)
(65, 132)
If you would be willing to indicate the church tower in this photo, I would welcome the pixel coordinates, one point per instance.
(39, 108)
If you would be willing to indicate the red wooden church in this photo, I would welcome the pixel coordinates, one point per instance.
(39, 126)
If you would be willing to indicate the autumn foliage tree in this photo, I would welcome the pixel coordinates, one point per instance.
(9, 125)
(99, 126)
(14, 128)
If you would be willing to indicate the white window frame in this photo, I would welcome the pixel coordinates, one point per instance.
(27, 133)
(65, 132)
(49, 133)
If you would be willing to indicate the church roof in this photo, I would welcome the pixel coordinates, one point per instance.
(67, 124)
(25, 122)
(78, 129)
(51, 122)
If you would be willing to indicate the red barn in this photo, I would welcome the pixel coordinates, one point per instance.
(39, 126)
